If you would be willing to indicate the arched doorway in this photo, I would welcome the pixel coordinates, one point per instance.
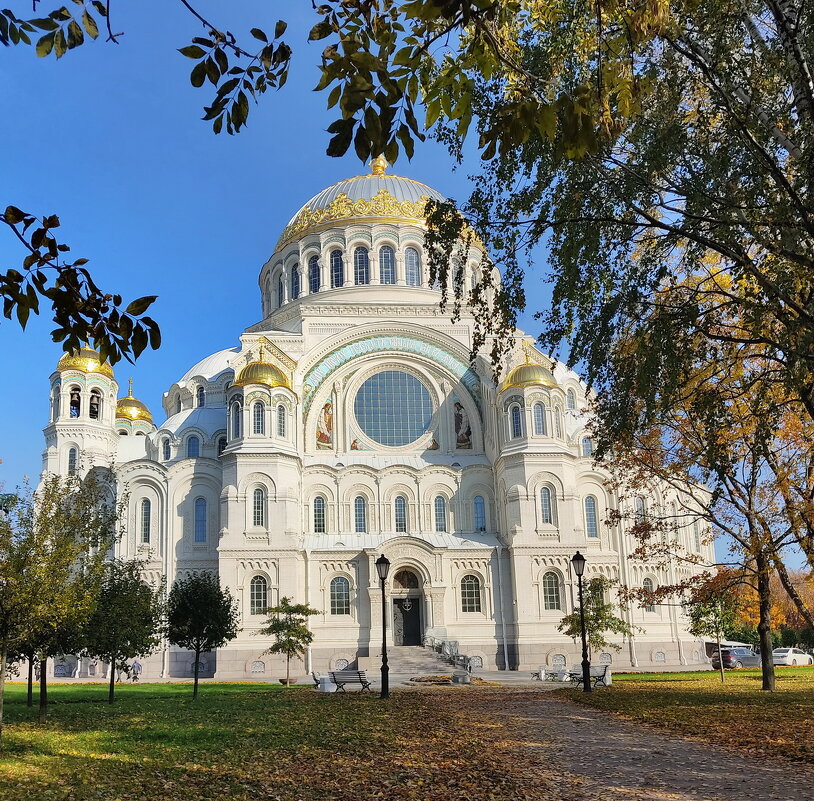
(408, 625)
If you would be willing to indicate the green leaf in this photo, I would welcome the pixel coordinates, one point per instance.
(192, 51)
(258, 34)
(279, 28)
(46, 44)
(140, 305)
(198, 74)
(60, 44)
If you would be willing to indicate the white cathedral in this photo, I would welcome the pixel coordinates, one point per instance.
(350, 423)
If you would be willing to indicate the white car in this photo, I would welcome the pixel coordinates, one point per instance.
(791, 656)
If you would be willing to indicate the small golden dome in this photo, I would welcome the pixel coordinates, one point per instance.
(527, 375)
(85, 360)
(261, 372)
(131, 408)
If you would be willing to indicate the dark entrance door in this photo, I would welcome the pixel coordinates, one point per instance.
(406, 621)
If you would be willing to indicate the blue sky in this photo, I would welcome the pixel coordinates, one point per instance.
(110, 138)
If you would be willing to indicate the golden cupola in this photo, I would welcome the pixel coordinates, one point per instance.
(529, 374)
(130, 408)
(85, 360)
(261, 371)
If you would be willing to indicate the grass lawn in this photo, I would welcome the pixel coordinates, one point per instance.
(255, 741)
(736, 713)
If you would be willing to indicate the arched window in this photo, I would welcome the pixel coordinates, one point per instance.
(146, 520)
(587, 446)
(313, 274)
(199, 394)
(235, 420)
(259, 417)
(221, 445)
(591, 525)
(280, 291)
(259, 507)
(122, 432)
(400, 513)
(639, 509)
(280, 420)
(696, 533)
(55, 404)
(647, 586)
(546, 507)
(165, 449)
(470, 594)
(193, 448)
(258, 595)
(479, 508)
(200, 520)
(539, 419)
(558, 422)
(359, 514)
(361, 266)
(517, 422)
(551, 591)
(178, 405)
(319, 515)
(412, 267)
(337, 268)
(570, 399)
(75, 402)
(387, 265)
(295, 282)
(440, 513)
(340, 596)
(72, 459)
(95, 405)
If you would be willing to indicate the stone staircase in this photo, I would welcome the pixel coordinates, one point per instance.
(412, 660)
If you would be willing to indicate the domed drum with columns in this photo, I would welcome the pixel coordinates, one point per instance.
(349, 423)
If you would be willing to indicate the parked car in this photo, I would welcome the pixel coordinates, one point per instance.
(736, 658)
(791, 656)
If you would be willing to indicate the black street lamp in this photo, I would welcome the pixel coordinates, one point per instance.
(578, 561)
(383, 568)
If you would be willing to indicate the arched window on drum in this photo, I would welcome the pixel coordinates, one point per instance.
(539, 419)
(412, 267)
(313, 274)
(295, 282)
(387, 265)
(440, 513)
(337, 268)
(361, 267)
(259, 417)
(319, 515)
(546, 506)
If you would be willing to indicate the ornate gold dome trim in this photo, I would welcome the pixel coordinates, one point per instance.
(382, 204)
(85, 360)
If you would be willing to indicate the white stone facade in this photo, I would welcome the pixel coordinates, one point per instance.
(271, 492)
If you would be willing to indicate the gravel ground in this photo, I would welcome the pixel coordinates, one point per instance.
(609, 759)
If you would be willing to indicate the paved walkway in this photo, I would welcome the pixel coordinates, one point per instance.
(605, 758)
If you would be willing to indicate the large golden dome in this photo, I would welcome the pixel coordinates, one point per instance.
(130, 408)
(528, 375)
(261, 372)
(85, 360)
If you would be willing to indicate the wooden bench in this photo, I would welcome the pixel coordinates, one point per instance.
(599, 675)
(342, 677)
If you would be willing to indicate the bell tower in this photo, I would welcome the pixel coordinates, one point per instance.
(81, 430)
